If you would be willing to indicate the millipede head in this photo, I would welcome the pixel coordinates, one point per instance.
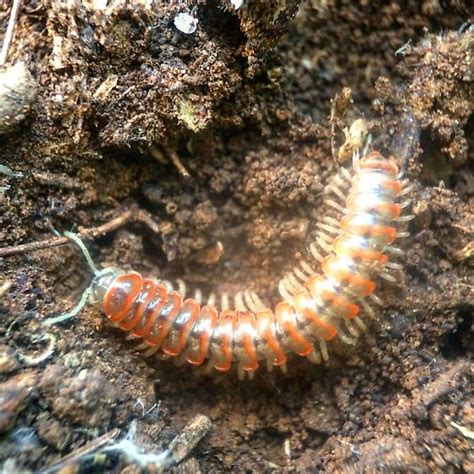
(102, 282)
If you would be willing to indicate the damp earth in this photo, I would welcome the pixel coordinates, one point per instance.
(210, 136)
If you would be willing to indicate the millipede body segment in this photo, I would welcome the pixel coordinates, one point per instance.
(319, 304)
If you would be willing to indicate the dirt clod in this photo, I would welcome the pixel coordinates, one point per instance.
(85, 397)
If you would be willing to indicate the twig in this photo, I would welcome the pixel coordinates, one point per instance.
(178, 449)
(177, 162)
(143, 216)
(56, 180)
(10, 30)
(57, 241)
(185, 442)
(173, 156)
(131, 215)
(84, 451)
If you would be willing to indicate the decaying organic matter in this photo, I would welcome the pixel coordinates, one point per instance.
(244, 104)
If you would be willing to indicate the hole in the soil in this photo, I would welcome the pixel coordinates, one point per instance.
(436, 166)
(454, 345)
(221, 23)
(462, 181)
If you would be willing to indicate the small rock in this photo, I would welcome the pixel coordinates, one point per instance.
(237, 3)
(18, 91)
(185, 23)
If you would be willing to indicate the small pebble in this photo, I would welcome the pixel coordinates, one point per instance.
(18, 91)
(237, 3)
(185, 23)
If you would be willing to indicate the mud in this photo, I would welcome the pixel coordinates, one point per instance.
(248, 105)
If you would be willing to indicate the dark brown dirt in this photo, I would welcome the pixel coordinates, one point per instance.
(244, 102)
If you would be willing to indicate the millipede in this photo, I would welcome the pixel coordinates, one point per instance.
(323, 298)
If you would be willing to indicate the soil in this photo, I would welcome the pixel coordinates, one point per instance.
(253, 105)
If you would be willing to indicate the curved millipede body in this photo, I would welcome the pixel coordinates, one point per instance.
(318, 305)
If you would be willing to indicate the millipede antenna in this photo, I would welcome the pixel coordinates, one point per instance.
(70, 314)
(86, 253)
(87, 292)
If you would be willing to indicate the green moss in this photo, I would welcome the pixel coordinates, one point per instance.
(191, 116)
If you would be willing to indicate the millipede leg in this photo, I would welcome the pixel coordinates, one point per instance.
(387, 276)
(408, 190)
(394, 250)
(314, 357)
(211, 300)
(324, 349)
(314, 252)
(307, 268)
(253, 301)
(367, 308)
(376, 299)
(198, 296)
(334, 189)
(324, 244)
(346, 174)
(181, 287)
(239, 304)
(294, 285)
(360, 323)
(142, 346)
(152, 350)
(394, 266)
(335, 205)
(329, 228)
(344, 337)
(167, 284)
(350, 327)
(284, 293)
(300, 275)
(331, 221)
(225, 301)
